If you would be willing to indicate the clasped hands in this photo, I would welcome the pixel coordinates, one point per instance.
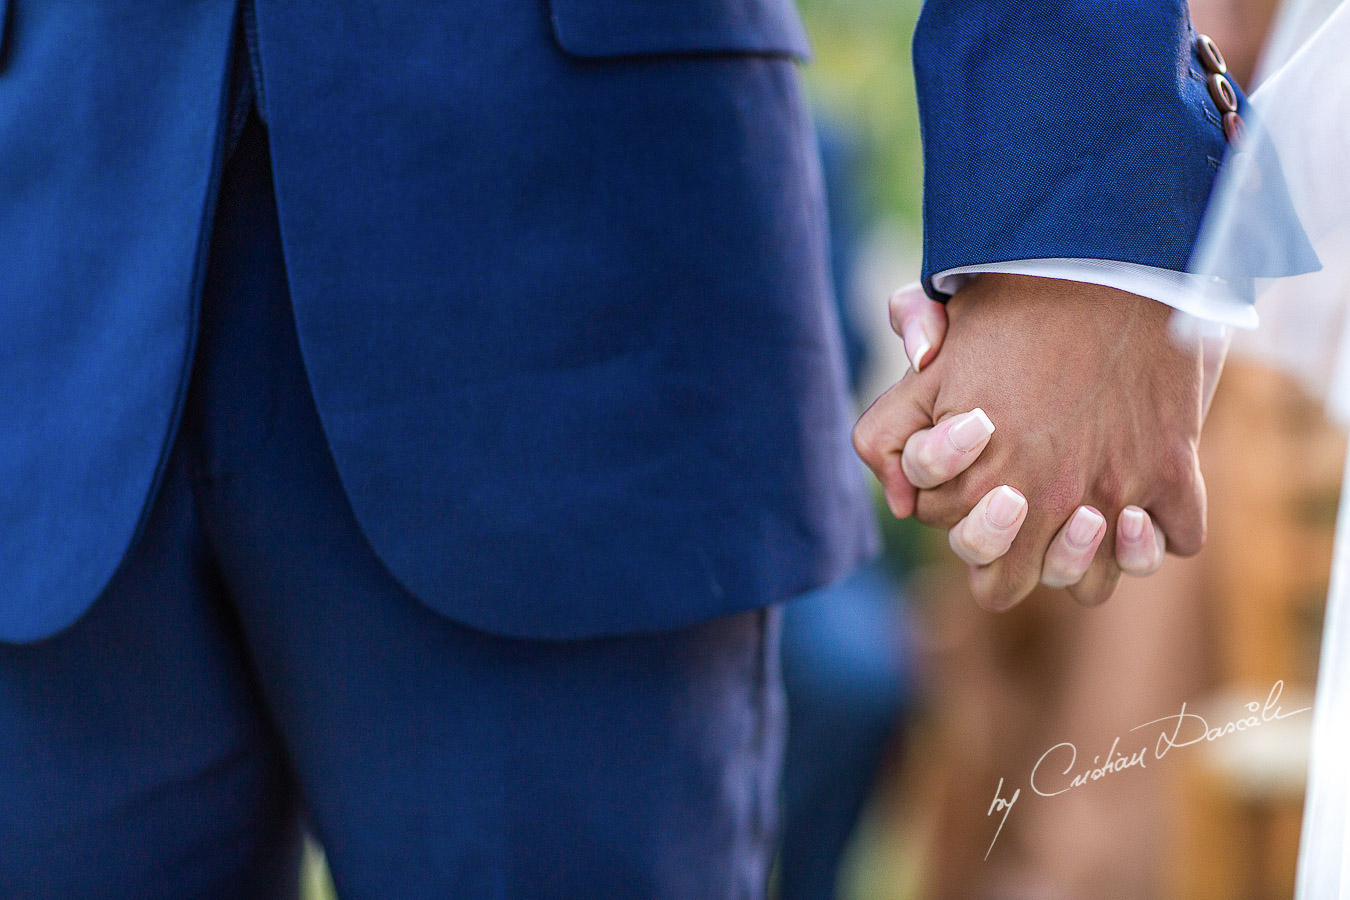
(1054, 435)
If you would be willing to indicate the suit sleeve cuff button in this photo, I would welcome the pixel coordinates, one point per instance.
(1222, 93)
(1210, 55)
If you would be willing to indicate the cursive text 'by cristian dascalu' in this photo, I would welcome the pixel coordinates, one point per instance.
(1060, 769)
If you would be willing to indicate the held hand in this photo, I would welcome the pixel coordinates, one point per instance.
(1102, 352)
(934, 456)
(921, 324)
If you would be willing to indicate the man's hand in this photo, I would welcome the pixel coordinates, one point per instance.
(1097, 404)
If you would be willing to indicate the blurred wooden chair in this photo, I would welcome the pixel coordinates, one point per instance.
(1214, 632)
(1273, 464)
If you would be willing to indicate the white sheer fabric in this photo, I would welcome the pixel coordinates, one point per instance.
(1305, 112)
(1304, 108)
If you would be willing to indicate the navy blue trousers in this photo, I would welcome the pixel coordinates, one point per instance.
(253, 670)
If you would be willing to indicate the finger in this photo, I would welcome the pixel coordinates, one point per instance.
(933, 456)
(1071, 552)
(920, 322)
(988, 531)
(1140, 546)
(1100, 580)
(1178, 508)
(1008, 580)
(882, 431)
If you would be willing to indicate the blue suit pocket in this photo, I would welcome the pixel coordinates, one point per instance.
(597, 29)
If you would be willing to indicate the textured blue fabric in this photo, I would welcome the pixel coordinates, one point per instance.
(559, 272)
(4, 26)
(1072, 130)
(109, 116)
(253, 659)
(567, 319)
(589, 29)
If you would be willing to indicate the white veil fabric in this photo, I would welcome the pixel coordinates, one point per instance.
(1303, 111)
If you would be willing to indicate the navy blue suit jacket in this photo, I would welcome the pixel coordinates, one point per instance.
(558, 266)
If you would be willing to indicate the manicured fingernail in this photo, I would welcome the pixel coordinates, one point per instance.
(1004, 508)
(969, 430)
(1132, 521)
(917, 343)
(1083, 527)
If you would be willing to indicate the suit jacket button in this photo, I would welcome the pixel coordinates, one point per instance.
(1210, 56)
(1225, 98)
(1234, 128)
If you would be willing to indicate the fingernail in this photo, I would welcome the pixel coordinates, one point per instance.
(1004, 508)
(1083, 527)
(969, 430)
(917, 343)
(1132, 520)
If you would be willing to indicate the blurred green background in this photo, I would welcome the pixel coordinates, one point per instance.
(861, 78)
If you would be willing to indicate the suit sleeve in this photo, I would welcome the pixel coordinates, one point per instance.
(1069, 130)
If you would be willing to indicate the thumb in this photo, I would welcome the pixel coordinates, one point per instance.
(920, 322)
(881, 434)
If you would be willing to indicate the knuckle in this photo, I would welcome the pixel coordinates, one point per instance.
(1060, 497)
(988, 595)
(926, 458)
(1094, 594)
(897, 303)
(1112, 490)
(865, 439)
(1056, 577)
(981, 547)
(1098, 583)
(929, 462)
(1178, 466)
(896, 321)
(1009, 586)
(1063, 567)
(1135, 562)
(994, 596)
(1142, 569)
(963, 546)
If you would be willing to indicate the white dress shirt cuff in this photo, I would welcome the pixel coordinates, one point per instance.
(1207, 299)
